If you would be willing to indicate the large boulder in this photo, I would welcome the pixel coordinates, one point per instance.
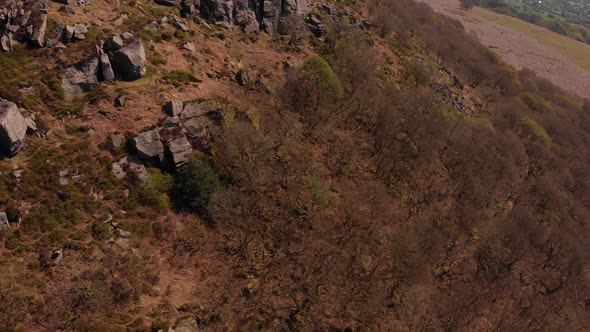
(130, 61)
(13, 128)
(80, 78)
(149, 145)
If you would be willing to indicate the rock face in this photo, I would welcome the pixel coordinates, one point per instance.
(250, 15)
(130, 61)
(80, 78)
(149, 145)
(13, 128)
(22, 21)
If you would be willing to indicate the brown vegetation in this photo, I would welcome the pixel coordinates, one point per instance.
(359, 201)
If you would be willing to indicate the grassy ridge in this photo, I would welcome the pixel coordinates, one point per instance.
(576, 51)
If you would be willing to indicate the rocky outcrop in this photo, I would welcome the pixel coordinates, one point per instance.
(13, 128)
(22, 21)
(250, 15)
(115, 60)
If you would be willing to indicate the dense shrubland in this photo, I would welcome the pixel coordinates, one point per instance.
(368, 199)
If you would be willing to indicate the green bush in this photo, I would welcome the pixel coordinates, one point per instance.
(154, 191)
(195, 183)
(318, 72)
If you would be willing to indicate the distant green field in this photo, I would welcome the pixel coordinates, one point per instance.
(576, 51)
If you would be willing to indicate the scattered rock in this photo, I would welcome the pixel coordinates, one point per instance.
(120, 101)
(56, 256)
(127, 36)
(3, 221)
(80, 31)
(180, 24)
(189, 46)
(130, 61)
(121, 19)
(67, 34)
(80, 78)
(173, 107)
(242, 77)
(13, 128)
(117, 139)
(67, 10)
(64, 177)
(187, 325)
(149, 145)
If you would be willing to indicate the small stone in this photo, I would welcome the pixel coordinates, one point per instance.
(127, 36)
(189, 46)
(117, 139)
(3, 221)
(64, 178)
(67, 10)
(124, 233)
(120, 101)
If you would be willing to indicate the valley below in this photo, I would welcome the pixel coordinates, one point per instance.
(559, 59)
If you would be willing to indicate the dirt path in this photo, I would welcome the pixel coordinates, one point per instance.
(520, 45)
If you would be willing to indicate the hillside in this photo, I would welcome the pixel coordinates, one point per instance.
(557, 58)
(285, 165)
